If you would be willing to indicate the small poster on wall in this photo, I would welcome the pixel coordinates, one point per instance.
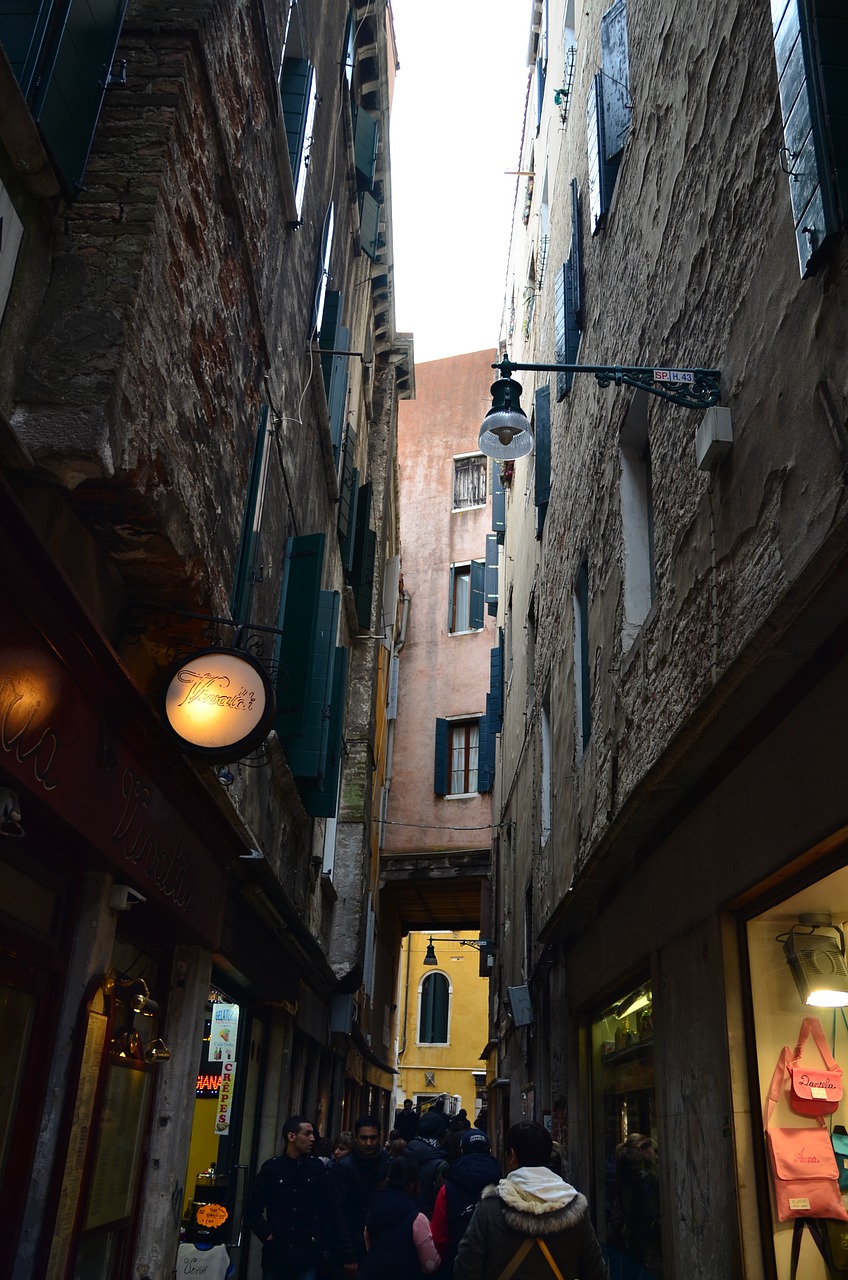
(223, 1032)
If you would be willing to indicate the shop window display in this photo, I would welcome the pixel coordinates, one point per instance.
(625, 1146)
(799, 996)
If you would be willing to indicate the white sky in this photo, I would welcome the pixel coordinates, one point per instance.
(455, 130)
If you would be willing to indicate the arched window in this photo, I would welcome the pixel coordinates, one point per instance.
(434, 1009)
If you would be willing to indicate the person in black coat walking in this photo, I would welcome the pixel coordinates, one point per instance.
(464, 1180)
(288, 1207)
(427, 1150)
(353, 1181)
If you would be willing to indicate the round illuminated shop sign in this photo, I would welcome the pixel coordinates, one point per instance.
(219, 703)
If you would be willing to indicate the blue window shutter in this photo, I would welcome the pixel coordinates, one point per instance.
(484, 777)
(440, 763)
(297, 620)
(494, 707)
(251, 522)
(490, 584)
(498, 502)
(365, 137)
(616, 82)
(297, 95)
(306, 752)
(320, 800)
(363, 520)
(335, 337)
(807, 131)
(65, 68)
(576, 263)
(328, 333)
(451, 600)
(475, 612)
(564, 380)
(347, 490)
(541, 68)
(369, 224)
(543, 454)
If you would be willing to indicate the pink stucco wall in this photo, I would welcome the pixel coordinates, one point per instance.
(440, 675)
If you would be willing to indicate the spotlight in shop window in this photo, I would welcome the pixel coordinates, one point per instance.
(815, 952)
(156, 1051)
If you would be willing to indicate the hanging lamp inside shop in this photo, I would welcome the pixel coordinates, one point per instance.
(815, 952)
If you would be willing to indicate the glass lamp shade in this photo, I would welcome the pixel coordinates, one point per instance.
(506, 433)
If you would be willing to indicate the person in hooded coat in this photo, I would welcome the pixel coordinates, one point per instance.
(398, 1240)
(427, 1151)
(464, 1180)
(531, 1222)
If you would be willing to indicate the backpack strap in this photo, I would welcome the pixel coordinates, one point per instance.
(550, 1258)
(517, 1259)
(522, 1252)
(776, 1086)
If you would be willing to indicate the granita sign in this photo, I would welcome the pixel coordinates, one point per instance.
(219, 703)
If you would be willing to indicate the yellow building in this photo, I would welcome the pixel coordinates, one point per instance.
(443, 1021)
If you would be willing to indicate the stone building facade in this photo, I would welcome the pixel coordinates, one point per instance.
(199, 381)
(671, 856)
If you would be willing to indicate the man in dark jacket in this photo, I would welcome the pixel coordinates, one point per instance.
(474, 1168)
(406, 1120)
(353, 1180)
(427, 1149)
(530, 1221)
(288, 1209)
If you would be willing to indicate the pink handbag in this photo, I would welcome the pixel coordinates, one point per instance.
(803, 1166)
(812, 1090)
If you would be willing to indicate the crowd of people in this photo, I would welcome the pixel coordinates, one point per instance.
(431, 1201)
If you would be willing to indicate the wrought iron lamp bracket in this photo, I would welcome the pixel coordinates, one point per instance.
(691, 388)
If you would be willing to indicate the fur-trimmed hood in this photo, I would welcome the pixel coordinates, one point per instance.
(536, 1202)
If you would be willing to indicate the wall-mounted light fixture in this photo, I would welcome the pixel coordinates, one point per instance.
(126, 1041)
(506, 431)
(815, 952)
(430, 954)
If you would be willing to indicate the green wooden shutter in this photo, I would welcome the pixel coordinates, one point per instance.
(369, 224)
(297, 620)
(335, 337)
(498, 502)
(347, 484)
(433, 1018)
(477, 599)
(320, 800)
(347, 542)
(365, 138)
(68, 49)
(297, 96)
(363, 520)
(22, 33)
(543, 455)
(251, 525)
(306, 752)
(440, 762)
(815, 144)
(490, 582)
(364, 590)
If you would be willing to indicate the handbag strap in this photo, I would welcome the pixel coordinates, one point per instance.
(817, 1230)
(774, 1091)
(812, 1026)
(522, 1252)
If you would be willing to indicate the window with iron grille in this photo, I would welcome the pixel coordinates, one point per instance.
(469, 481)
